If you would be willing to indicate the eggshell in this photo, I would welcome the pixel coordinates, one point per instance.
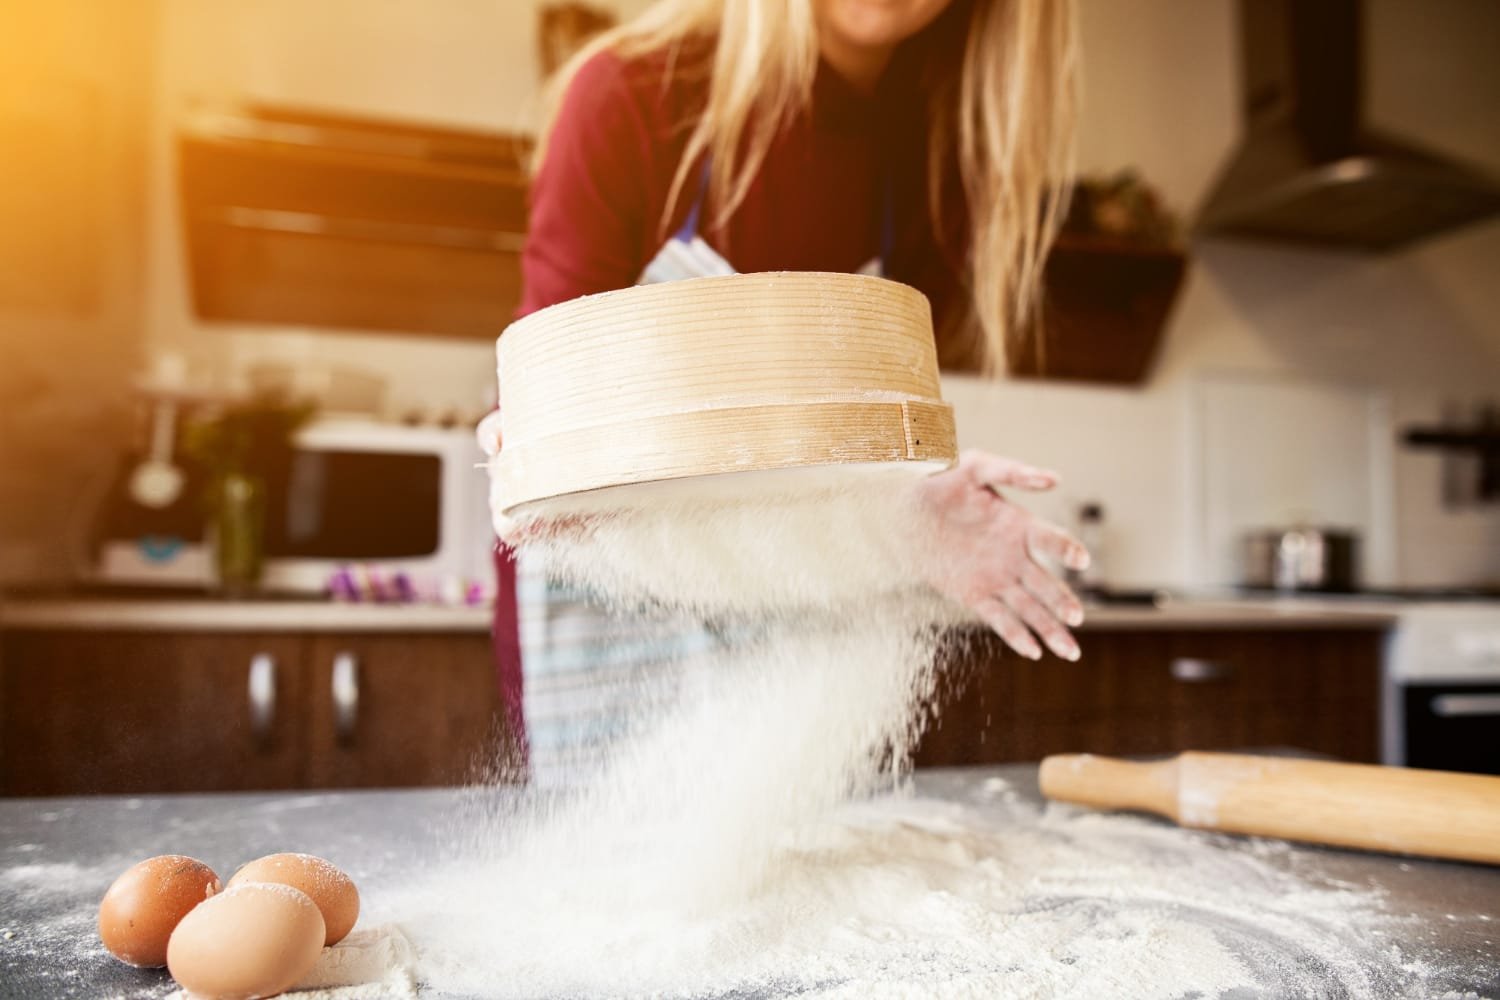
(251, 940)
(330, 888)
(143, 906)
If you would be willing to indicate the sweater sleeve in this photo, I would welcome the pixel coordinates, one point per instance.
(586, 231)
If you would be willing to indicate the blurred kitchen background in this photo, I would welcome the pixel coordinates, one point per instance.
(1270, 377)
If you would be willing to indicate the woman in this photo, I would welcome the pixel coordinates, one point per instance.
(917, 139)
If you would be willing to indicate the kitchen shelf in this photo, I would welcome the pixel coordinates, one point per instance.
(1105, 304)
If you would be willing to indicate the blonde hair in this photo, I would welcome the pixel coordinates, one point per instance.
(1007, 119)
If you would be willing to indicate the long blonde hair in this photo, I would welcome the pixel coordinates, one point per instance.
(1007, 119)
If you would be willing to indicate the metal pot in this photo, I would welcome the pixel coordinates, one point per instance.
(1317, 559)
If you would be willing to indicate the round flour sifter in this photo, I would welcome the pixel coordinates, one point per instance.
(717, 387)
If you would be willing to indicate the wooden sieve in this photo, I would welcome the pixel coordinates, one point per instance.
(697, 379)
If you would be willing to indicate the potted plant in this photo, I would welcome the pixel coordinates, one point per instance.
(238, 447)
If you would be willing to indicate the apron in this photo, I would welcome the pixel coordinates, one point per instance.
(588, 674)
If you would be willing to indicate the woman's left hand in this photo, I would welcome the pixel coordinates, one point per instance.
(981, 550)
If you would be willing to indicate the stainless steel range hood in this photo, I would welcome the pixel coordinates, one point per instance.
(1311, 167)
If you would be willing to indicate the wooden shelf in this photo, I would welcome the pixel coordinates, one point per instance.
(1105, 304)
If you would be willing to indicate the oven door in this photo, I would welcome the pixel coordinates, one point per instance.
(1453, 727)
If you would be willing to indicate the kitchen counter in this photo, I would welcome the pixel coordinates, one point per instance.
(1245, 613)
(1440, 935)
(206, 614)
(210, 615)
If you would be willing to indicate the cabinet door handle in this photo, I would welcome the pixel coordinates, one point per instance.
(1453, 706)
(262, 692)
(345, 697)
(1192, 670)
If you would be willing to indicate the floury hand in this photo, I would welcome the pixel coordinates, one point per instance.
(982, 551)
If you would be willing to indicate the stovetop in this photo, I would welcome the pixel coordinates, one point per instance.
(1412, 594)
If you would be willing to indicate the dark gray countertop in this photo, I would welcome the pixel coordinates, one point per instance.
(57, 856)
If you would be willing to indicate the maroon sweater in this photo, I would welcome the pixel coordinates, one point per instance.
(599, 205)
(599, 201)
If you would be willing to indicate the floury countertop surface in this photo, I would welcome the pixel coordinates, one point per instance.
(1300, 922)
(207, 614)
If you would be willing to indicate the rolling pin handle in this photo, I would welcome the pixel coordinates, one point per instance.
(1107, 783)
(1438, 814)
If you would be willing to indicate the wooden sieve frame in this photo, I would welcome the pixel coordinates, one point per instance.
(714, 375)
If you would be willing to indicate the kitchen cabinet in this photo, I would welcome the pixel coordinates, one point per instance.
(146, 712)
(341, 221)
(415, 711)
(1160, 692)
(126, 712)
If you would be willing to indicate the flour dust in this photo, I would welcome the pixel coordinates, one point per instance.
(756, 833)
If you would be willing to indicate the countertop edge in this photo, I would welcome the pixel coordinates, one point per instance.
(231, 616)
(51, 614)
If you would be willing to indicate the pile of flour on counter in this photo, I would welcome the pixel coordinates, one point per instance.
(755, 836)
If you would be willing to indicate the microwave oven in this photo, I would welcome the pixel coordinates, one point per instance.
(354, 494)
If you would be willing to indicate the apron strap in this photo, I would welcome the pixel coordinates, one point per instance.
(887, 223)
(689, 227)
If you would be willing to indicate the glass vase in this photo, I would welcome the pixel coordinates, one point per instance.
(239, 529)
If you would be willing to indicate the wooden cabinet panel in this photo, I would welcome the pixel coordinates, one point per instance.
(401, 710)
(1159, 692)
(85, 712)
(89, 712)
(134, 712)
(355, 223)
(248, 271)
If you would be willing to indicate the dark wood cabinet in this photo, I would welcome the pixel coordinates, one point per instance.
(146, 712)
(1160, 692)
(135, 712)
(419, 711)
(140, 711)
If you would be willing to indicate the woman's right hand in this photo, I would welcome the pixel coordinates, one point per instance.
(990, 555)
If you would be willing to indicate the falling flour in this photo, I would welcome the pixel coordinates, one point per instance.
(757, 836)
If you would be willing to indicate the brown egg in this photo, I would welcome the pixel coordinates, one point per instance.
(141, 908)
(251, 940)
(331, 889)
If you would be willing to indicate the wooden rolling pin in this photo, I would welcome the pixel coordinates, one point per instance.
(1434, 813)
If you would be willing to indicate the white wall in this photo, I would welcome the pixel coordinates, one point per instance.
(74, 103)
(1161, 93)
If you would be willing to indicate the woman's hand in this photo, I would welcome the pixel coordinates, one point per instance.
(981, 551)
(487, 433)
(508, 529)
